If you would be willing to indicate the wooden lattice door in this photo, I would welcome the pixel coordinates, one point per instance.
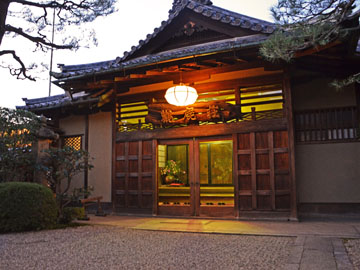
(262, 169)
(133, 186)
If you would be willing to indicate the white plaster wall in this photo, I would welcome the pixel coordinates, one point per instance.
(328, 173)
(74, 125)
(100, 148)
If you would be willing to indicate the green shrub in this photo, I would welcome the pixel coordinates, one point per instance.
(26, 206)
(71, 213)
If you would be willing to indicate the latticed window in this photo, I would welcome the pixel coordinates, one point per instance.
(73, 141)
(332, 124)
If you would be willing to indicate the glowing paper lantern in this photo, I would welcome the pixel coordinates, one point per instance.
(181, 95)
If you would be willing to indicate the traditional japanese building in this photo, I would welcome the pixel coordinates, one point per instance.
(261, 140)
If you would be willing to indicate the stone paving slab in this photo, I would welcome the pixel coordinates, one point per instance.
(341, 229)
(353, 250)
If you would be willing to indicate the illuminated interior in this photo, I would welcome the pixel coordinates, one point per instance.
(174, 193)
(215, 173)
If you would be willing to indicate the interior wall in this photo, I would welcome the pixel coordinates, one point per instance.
(100, 149)
(328, 173)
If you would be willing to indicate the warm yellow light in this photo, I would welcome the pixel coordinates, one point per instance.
(181, 95)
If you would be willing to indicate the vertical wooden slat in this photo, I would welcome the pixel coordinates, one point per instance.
(327, 125)
(357, 92)
(341, 122)
(126, 174)
(319, 116)
(290, 123)
(140, 161)
(236, 173)
(353, 123)
(253, 113)
(272, 168)
(253, 170)
(238, 96)
(194, 185)
(336, 125)
(238, 101)
(155, 177)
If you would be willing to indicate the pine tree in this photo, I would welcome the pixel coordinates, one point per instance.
(33, 20)
(304, 24)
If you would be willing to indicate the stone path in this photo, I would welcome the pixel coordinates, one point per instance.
(317, 253)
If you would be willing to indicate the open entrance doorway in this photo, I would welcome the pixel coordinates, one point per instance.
(195, 177)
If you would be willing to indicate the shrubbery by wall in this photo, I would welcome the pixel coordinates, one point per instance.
(26, 206)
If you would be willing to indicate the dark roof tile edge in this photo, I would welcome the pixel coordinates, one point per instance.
(54, 102)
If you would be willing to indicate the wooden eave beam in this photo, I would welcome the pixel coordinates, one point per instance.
(150, 77)
(274, 78)
(207, 64)
(317, 49)
(156, 76)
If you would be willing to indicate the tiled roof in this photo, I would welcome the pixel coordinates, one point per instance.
(203, 7)
(53, 102)
(111, 66)
(213, 12)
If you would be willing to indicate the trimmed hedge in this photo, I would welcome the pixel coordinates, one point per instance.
(72, 213)
(26, 207)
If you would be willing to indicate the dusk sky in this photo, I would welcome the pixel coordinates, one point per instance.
(116, 33)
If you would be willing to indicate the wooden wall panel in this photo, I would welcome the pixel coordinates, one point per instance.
(261, 140)
(282, 182)
(133, 182)
(263, 182)
(244, 182)
(262, 162)
(263, 171)
(244, 141)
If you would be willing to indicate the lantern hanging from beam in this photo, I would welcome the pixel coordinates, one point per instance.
(181, 95)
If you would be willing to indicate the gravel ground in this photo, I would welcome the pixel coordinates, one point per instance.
(106, 247)
(353, 249)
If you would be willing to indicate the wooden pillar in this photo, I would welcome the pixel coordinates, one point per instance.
(155, 176)
(291, 139)
(140, 169)
(113, 156)
(235, 173)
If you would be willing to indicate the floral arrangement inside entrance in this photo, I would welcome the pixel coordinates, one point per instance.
(171, 173)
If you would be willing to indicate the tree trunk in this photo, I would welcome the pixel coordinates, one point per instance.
(4, 5)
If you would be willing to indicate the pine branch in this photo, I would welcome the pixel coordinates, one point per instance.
(18, 72)
(38, 40)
